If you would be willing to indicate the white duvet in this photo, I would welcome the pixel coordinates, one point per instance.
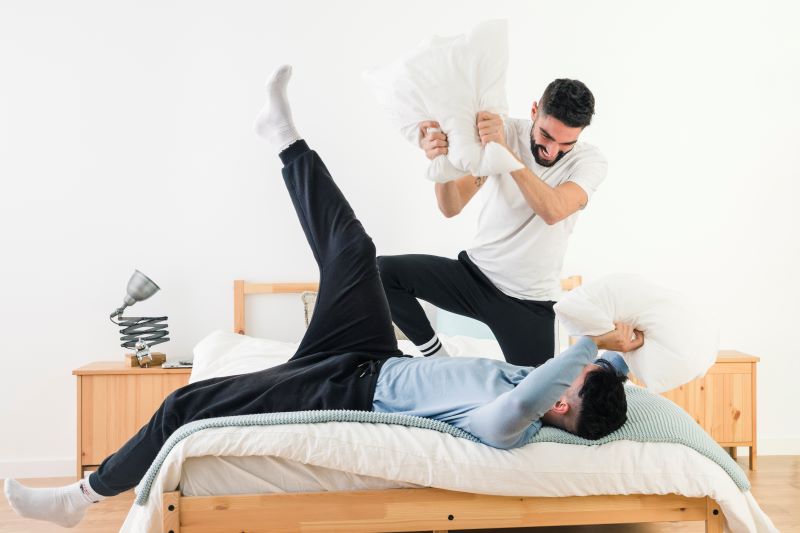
(384, 456)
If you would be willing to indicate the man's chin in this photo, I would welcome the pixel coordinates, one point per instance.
(545, 162)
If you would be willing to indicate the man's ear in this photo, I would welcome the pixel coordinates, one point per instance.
(534, 110)
(561, 407)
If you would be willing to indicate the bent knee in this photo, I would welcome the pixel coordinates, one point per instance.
(363, 249)
(387, 267)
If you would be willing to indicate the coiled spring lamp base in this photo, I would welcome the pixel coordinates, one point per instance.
(142, 333)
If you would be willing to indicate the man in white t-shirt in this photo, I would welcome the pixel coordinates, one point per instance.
(509, 277)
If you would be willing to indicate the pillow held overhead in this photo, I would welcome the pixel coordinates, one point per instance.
(449, 80)
(680, 344)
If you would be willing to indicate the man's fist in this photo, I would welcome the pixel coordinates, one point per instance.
(490, 128)
(623, 338)
(435, 142)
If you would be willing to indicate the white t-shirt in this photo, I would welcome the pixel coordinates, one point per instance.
(516, 249)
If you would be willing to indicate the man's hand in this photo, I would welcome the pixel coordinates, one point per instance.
(490, 128)
(623, 338)
(435, 142)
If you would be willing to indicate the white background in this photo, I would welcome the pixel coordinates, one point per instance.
(126, 141)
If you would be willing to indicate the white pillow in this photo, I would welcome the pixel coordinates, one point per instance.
(680, 344)
(448, 79)
(225, 353)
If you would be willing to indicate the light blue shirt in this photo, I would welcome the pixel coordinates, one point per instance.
(500, 403)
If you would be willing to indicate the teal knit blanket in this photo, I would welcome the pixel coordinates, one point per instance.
(651, 418)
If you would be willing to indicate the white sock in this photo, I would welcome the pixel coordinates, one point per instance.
(64, 506)
(433, 348)
(498, 160)
(274, 122)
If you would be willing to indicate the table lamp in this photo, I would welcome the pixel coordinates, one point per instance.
(140, 333)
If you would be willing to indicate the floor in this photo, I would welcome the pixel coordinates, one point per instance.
(776, 486)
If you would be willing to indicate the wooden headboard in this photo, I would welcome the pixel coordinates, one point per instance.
(242, 288)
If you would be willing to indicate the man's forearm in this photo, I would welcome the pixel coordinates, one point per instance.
(542, 198)
(448, 198)
(502, 422)
(542, 387)
(453, 195)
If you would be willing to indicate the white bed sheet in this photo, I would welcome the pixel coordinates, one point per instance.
(354, 456)
(429, 458)
(210, 475)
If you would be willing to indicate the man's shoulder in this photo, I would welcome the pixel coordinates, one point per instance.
(588, 153)
(520, 127)
(518, 135)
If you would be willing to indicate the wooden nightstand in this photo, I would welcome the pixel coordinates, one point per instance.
(114, 402)
(723, 401)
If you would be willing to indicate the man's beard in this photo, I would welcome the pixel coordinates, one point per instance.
(544, 162)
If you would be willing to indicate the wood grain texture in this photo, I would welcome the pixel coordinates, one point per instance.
(114, 402)
(774, 486)
(422, 509)
(723, 401)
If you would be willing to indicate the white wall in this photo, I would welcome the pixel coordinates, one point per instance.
(125, 142)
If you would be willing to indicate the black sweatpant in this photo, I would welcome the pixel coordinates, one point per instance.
(336, 364)
(525, 329)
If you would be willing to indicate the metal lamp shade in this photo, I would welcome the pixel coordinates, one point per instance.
(140, 287)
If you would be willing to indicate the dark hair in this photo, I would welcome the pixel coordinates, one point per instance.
(604, 406)
(570, 101)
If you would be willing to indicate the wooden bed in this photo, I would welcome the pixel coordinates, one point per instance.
(423, 509)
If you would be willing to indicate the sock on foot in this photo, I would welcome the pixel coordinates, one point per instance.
(274, 122)
(64, 506)
(433, 348)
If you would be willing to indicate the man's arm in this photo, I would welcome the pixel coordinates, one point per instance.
(453, 195)
(553, 204)
(503, 421)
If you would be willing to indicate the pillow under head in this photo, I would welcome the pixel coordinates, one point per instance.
(680, 343)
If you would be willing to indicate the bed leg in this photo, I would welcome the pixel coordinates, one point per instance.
(171, 512)
(714, 518)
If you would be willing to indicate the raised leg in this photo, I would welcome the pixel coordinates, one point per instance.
(351, 312)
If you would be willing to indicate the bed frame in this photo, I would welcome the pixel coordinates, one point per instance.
(420, 509)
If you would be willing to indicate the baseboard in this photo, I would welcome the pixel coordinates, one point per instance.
(790, 446)
(44, 468)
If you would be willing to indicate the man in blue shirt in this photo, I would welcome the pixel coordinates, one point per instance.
(348, 358)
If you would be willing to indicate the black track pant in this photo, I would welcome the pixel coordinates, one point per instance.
(525, 329)
(351, 315)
